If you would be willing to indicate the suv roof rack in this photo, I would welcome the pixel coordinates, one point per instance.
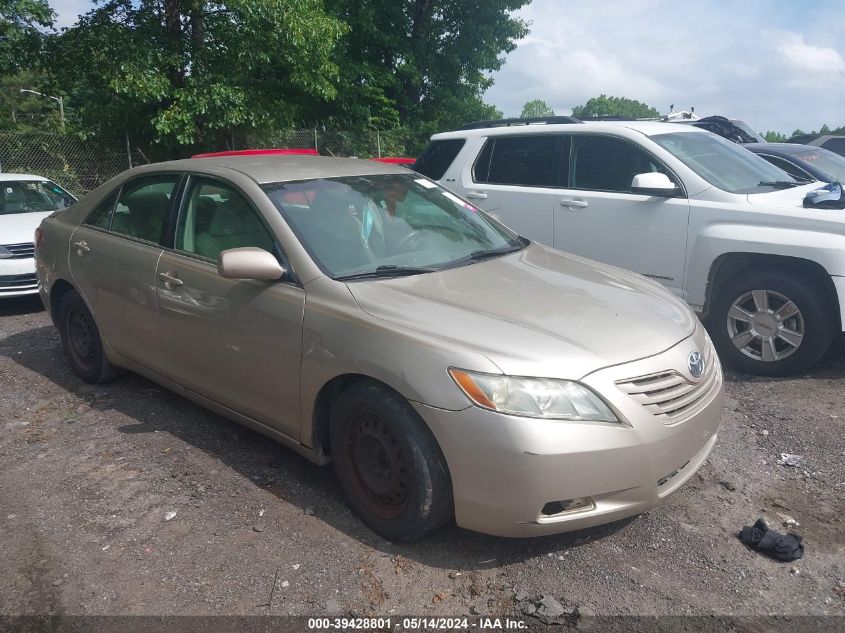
(548, 120)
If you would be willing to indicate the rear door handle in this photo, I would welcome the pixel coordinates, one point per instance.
(477, 195)
(171, 279)
(81, 247)
(574, 204)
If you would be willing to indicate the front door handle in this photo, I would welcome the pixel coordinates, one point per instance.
(81, 247)
(574, 204)
(477, 195)
(171, 279)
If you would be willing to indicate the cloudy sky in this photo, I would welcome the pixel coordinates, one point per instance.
(776, 64)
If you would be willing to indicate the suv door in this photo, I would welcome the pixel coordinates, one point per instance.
(113, 258)
(514, 179)
(597, 215)
(236, 342)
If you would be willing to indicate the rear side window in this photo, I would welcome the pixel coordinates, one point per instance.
(101, 215)
(436, 158)
(529, 161)
(606, 163)
(789, 168)
(143, 208)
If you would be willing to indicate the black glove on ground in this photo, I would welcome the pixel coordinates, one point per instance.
(784, 547)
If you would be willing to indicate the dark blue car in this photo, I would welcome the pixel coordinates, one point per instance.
(805, 162)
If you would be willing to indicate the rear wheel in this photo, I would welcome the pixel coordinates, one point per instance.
(82, 343)
(773, 323)
(389, 464)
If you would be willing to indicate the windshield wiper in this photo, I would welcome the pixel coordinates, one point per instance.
(387, 270)
(778, 184)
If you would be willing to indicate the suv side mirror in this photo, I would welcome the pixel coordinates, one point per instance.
(654, 184)
(249, 263)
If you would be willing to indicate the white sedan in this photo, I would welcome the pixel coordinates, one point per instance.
(25, 200)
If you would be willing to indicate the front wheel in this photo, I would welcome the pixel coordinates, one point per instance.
(772, 323)
(389, 464)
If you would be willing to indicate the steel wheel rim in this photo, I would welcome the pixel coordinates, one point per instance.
(82, 337)
(378, 465)
(765, 325)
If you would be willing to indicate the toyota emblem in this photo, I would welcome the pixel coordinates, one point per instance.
(696, 364)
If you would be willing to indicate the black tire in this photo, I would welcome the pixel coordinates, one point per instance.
(82, 343)
(389, 464)
(816, 319)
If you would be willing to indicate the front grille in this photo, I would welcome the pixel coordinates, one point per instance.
(18, 282)
(20, 251)
(670, 396)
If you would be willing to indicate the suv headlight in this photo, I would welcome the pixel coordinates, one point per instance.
(533, 397)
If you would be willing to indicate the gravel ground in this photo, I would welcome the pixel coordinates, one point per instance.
(127, 499)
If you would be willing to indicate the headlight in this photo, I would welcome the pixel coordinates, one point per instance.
(533, 397)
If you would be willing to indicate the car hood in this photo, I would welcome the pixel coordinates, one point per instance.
(19, 228)
(538, 312)
(786, 198)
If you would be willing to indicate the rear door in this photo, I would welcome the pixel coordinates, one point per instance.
(113, 258)
(597, 215)
(237, 342)
(514, 179)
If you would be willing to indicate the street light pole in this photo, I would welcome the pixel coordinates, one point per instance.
(60, 100)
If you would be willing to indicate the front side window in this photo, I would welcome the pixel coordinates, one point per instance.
(528, 161)
(142, 209)
(384, 224)
(723, 164)
(32, 196)
(216, 218)
(607, 163)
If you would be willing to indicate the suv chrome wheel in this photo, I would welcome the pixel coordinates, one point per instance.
(765, 325)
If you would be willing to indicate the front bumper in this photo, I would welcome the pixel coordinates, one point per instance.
(505, 469)
(17, 278)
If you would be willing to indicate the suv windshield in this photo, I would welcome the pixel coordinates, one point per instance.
(724, 164)
(386, 225)
(30, 196)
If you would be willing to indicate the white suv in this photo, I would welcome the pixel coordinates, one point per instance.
(721, 227)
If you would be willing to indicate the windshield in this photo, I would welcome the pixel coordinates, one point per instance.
(386, 224)
(830, 163)
(723, 164)
(29, 196)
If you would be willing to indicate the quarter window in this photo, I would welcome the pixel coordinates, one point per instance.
(101, 215)
(528, 161)
(606, 163)
(436, 158)
(217, 218)
(142, 209)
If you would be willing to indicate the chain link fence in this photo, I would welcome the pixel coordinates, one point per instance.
(82, 165)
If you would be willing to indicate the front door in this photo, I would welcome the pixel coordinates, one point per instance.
(113, 258)
(597, 216)
(236, 342)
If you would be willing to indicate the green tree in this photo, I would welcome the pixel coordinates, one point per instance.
(187, 72)
(775, 137)
(614, 106)
(535, 108)
(423, 64)
(22, 23)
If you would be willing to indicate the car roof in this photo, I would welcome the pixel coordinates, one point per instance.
(648, 128)
(7, 176)
(269, 168)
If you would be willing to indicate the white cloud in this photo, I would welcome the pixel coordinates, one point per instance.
(758, 60)
(814, 59)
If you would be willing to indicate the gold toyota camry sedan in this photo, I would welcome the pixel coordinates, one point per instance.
(359, 313)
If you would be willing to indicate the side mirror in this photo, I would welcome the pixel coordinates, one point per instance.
(249, 263)
(654, 184)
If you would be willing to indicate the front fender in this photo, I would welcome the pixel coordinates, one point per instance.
(822, 247)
